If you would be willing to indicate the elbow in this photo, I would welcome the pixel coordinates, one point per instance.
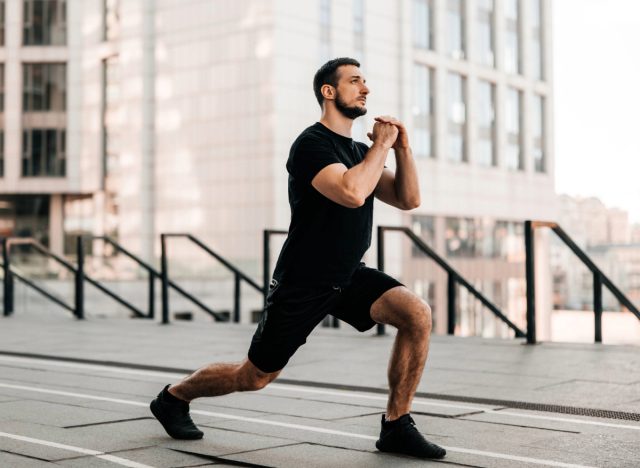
(411, 204)
(355, 201)
(353, 198)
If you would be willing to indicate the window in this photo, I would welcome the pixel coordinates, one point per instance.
(2, 21)
(539, 160)
(537, 39)
(455, 29)
(486, 38)
(509, 240)
(459, 237)
(512, 37)
(44, 87)
(45, 22)
(1, 87)
(486, 124)
(325, 30)
(110, 19)
(513, 114)
(43, 152)
(422, 111)
(422, 24)
(1, 152)
(424, 227)
(358, 28)
(456, 128)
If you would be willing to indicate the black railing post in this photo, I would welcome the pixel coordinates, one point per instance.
(597, 305)
(451, 304)
(266, 254)
(80, 280)
(165, 279)
(152, 295)
(380, 328)
(8, 279)
(530, 275)
(236, 299)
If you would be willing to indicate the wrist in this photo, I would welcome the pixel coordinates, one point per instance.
(403, 149)
(382, 145)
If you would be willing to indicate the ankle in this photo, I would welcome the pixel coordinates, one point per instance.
(171, 397)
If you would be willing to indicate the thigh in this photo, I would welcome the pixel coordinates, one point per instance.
(366, 286)
(291, 314)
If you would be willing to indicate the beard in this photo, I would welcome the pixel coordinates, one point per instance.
(349, 112)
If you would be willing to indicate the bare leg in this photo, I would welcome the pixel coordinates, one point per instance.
(221, 379)
(412, 317)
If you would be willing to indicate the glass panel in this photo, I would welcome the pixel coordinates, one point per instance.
(422, 110)
(457, 117)
(422, 26)
(424, 227)
(455, 29)
(485, 33)
(512, 37)
(486, 123)
(43, 152)
(539, 162)
(536, 39)
(44, 22)
(44, 87)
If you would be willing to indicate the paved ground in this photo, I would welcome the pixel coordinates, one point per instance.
(88, 405)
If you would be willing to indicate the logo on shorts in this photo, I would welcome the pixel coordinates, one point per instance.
(273, 283)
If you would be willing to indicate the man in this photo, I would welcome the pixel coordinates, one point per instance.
(332, 183)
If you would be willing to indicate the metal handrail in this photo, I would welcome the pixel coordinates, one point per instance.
(153, 273)
(454, 278)
(78, 272)
(238, 276)
(39, 289)
(599, 279)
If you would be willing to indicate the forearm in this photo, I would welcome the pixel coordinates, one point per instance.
(362, 178)
(407, 186)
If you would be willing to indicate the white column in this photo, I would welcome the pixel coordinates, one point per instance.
(56, 224)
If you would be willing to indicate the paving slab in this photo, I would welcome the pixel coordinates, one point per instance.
(586, 375)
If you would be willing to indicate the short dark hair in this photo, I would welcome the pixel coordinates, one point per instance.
(328, 74)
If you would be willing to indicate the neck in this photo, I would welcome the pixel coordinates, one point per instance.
(336, 122)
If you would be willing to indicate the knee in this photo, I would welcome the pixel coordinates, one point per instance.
(252, 381)
(422, 320)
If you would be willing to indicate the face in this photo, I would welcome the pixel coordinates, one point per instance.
(351, 93)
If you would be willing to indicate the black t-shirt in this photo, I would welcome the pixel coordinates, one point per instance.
(326, 240)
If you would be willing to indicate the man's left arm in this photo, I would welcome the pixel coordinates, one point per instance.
(402, 189)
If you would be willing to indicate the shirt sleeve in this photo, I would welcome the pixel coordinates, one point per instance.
(310, 156)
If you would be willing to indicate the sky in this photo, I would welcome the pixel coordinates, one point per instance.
(596, 47)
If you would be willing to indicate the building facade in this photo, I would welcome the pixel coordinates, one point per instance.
(178, 116)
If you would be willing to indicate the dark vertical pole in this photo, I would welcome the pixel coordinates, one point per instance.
(80, 280)
(8, 280)
(451, 304)
(531, 286)
(380, 330)
(266, 253)
(152, 295)
(165, 279)
(236, 299)
(597, 305)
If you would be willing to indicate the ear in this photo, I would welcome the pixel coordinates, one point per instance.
(328, 92)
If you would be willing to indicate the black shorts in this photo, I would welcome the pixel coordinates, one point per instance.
(292, 312)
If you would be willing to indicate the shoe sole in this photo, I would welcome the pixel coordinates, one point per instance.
(381, 449)
(156, 413)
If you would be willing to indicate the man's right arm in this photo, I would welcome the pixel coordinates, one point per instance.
(351, 187)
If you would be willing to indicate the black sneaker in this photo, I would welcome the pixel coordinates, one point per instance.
(402, 436)
(174, 417)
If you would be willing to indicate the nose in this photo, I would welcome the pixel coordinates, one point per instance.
(365, 89)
